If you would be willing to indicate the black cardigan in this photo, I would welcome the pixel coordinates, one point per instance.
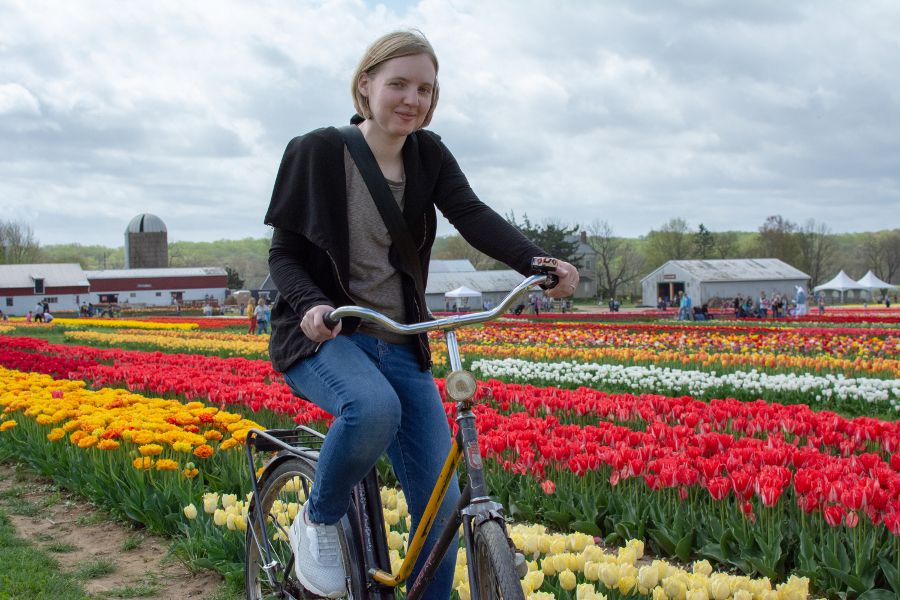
(309, 259)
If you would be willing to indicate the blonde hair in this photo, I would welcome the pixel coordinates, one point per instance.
(393, 45)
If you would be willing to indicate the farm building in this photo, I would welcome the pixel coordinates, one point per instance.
(63, 286)
(493, 285)
(146, 243)
(158, 287)
(448, 275)
(712, 281)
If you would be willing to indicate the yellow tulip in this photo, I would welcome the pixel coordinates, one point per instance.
(567, 580)
(220, 517)
(703, 567)
(547, 567)
(463, 592)
(609, 574)
(190, 511)
(698, 594)
(648, 577)
(719, 587)
(675, 588)
(395, 540)
(210, 502)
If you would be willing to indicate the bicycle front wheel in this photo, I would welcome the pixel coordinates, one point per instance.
(495, 566)
(282, 493)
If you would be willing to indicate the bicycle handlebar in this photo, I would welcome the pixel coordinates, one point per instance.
(332, 318)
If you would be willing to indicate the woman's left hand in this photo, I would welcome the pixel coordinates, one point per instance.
(568, 280)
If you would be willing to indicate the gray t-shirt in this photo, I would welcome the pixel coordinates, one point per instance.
(374, 283)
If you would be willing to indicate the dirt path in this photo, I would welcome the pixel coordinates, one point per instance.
(84, 539)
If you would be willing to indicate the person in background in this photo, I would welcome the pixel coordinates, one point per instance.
(821, 304)
(251, 313)
(262, 316)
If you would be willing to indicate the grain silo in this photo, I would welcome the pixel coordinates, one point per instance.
(146, 243)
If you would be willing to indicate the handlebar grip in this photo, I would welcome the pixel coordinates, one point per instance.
(551, 282)
(329, 321)
(545, 265)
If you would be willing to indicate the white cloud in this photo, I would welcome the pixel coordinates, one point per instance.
(631, 112)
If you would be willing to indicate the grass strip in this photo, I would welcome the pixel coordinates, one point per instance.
(26, 572)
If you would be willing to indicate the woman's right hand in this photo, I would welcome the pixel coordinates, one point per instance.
(313, 324)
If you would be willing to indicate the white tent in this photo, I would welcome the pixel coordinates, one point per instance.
(463, 294)
(841, 282)
(871, 282)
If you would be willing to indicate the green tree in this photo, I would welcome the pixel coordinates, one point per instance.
(704, 242)
(455, 247)
(557, 239)
(670, 242)
(234, 279)
(725, 244)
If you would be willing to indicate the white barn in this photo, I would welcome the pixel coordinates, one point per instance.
(64, 286)
(709, 280)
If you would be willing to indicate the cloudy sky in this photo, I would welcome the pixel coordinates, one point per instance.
(634, 112)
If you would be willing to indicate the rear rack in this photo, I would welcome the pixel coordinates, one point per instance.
(302, 441)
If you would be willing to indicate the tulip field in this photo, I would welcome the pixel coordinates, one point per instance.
(638, 457)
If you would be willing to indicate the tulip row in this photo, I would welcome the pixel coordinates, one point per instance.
(124, 324)
(841, 343)
(558, 564)
(886, 367)
(749, 385)
(219, 344)
(138, 456)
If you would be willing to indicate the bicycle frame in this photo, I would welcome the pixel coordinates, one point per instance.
(475, 505)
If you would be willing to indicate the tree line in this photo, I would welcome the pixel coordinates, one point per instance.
(615, 262)
(618, 263)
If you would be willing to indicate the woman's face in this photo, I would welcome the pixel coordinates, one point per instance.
(399, 93)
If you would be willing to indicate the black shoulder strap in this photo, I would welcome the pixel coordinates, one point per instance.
(384, 200)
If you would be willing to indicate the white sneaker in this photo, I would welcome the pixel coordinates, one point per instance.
(318, 563)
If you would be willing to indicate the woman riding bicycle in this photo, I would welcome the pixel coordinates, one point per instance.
(330, 248)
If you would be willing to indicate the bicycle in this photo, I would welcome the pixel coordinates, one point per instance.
(494, 567)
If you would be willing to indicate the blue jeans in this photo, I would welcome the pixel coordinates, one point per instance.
(262, 327)
(382, 402)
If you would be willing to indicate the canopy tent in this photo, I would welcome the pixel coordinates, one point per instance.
(871, 282)
(463, 294)
(841, 282)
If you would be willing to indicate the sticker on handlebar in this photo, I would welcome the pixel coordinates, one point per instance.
(473, 455)
(544, 264)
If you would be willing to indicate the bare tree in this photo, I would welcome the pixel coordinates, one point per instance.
(672, 241)
(881, 253)
(817, 249)
(17, 243)
(777, 240)
(618, 264)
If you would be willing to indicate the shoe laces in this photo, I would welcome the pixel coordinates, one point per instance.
(325, 544)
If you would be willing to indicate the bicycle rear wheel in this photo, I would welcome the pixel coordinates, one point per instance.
(495, 566)
(282, 493)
